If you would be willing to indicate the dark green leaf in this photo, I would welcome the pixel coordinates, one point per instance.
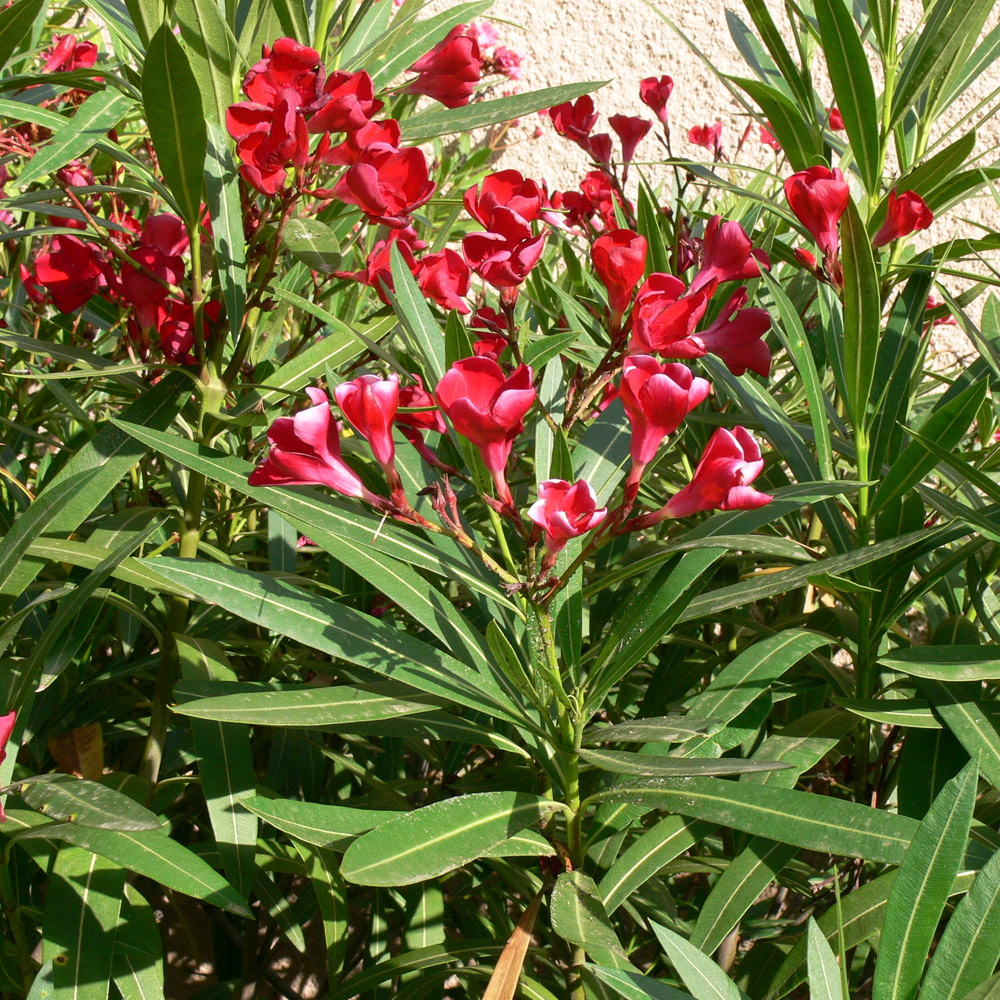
(946, 663)
(314, 243)
(87, 803)
(578, 917)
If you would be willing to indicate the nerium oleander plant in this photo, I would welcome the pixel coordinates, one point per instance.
(422, 582)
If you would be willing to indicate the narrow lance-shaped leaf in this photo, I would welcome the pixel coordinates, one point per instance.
(176, 120)
(922, 886)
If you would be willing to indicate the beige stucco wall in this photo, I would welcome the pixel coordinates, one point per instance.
(623, 41)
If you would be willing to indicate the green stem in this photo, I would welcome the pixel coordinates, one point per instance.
(11, 911)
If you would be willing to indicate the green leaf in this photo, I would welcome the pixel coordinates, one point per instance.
(790, 74)
(153, 855)
(960, 708)
(798, 138)
(46, 507)
(646, 766)
(314, 243)
(482, 114)
(87, 803)
(222, 195)
(824, 973)
(948, 25)
(642, 624)
(814, 822)
(172, 102)
(698, 972)
(333, 628)
(970, 945)
(990, 990)
(211, 54)
(93, 119)
(946, 663)
(946, 425)
(15, 26)
(657, 847)
(862, 311)
(438, 838)
(578, 917)
(138, 964)
(317, 824)
(922, 886)
(81, 917)
(852, 86)
(666, 729)
(914, 713)
(331, 894)
(308, 707)
(417, 319)
(633, 985)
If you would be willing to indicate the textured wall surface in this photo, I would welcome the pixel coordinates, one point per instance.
(622, 41)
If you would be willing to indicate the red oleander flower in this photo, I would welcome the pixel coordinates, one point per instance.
(489, 320)
(305, 451)
(175, 328)
(347, 103)
(450, 71)
(265, 155)
(707, 136)
(68, 54)
(768, 139)
(387, 185)
(806, 259)
(491, 346)
(730, 462)
(71, 272)
(384, 135)
(575, 120)
(905, 213)
(657, 398)
(164, 238)
(504, 255)
(444, 278)
(564, 511)
(488, 409)
(663, 314)
(819, 197)
(619, 259)
(599, 147)
(597, 188)
(504, 189)
(370, 404)
(287, 65)
(630, 130)
(6, 728)
(428, 417)
(655, 93)
(729, 255)
(735, 337)
(836, 120)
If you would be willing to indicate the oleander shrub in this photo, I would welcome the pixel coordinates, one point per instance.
(419, 582)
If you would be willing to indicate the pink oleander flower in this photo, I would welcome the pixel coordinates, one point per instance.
(657, 398)
(575, 120)
(444, 278)
(564, 511)
(71, 272)
(488, 408)
(728, 255)
(305, 451)
(905, 213)
(6, 728)
(347, 103)
(735, 337)
(619, 259)
(507, 62)
(504, 255)
(731, 462)
(485, 33)
(819, 197)
(384, 134)
(370, 405)
(286, 65)
(663, 314)
(450, 71)
(386, 184)
(655, 93)
(631, 130)
(504, 189)
(707, 136)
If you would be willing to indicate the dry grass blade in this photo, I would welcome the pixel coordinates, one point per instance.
(503, 982)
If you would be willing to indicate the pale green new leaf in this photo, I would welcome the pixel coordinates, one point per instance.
(824, 973)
